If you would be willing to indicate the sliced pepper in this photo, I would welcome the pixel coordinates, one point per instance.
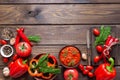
(51, 61)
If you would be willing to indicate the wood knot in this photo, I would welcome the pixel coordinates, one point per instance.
(33, 13)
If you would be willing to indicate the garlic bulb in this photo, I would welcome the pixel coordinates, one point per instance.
(84, 56)
(6, 71)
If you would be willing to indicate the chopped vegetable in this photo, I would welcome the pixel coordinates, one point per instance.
(104, 32)
(41, 60)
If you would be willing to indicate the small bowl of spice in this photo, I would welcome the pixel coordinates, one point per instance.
(69, 56)
(6, 50)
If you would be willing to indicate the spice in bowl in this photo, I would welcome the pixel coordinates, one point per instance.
(69, 56)
(6, 51)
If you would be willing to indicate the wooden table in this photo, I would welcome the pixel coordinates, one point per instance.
(59, 23)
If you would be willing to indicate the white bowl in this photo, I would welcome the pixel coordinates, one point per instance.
(3, 54)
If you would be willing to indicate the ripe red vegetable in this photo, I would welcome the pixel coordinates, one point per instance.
(5, 60)
(3, 42)
(85, 72)
(96, 59)
(15, 57)
(23, 49)
(71, 74)
(99, 48)
(89, 68)
(90, 74)
(23, 36)
(106, 71)
(96, 32)
(81, 67)
(18, 68)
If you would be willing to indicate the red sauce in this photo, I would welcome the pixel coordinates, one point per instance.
(69, 56)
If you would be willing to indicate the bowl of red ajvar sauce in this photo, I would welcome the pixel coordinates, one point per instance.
(70, 56)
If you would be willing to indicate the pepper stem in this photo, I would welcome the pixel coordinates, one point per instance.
(110, 68)
(25, 61)
(70, 76)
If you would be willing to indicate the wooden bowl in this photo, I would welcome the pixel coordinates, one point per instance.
(69, 56)
(56, 65)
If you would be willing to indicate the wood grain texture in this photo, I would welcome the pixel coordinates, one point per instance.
(60, 14)
(57, 34)
(59, 1)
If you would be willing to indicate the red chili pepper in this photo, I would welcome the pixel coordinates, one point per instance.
(18, 68)
(110, 41)
(3, 42)
(106, 71)
(23, 36)
(17, 40)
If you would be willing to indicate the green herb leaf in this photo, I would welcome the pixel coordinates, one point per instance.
(104, 33)
(50, 70)
(41, 60)
(34, 38)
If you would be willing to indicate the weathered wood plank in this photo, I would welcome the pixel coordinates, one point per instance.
(54, 50)
(59, 1)
(57, 34)
(60, 14)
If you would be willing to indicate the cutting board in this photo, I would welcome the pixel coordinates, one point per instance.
(115, 50)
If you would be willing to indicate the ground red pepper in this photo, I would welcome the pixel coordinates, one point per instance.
(106, 71)
(18, 68)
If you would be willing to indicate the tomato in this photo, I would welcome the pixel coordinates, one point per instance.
(15, 57)
(96, 59)
(23, 49)
(89, 68)
(3, 42)
(90, 74)
(96, 32)
(85, 72)
(5, 60)
(71, 74)
(99, 48)
(81, 67)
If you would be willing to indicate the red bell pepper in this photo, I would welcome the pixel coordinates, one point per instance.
(106, 71)
(18, 68)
